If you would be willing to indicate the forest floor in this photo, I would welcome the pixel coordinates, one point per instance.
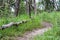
(30, 35)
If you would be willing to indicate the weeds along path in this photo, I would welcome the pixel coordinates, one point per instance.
(30, 35)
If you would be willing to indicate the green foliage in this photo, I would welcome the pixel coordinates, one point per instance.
(54, 33)
(34, 23)
(20, 29)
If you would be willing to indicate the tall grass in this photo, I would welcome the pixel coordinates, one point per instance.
(54, 33)
(35, 22)
(20, 29)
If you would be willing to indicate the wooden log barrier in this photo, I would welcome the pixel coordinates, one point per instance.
(11, 24)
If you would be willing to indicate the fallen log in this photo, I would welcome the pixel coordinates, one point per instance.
(12, 24)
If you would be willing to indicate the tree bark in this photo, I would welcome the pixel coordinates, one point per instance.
(17, 2)
(1, 2)
(30, 2)
(27, 6)
(35, 9)
(12, 24)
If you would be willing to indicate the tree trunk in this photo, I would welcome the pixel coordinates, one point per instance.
(27, 6)
(1, 2)
(17, 2)
(30, 2)
(35, 10)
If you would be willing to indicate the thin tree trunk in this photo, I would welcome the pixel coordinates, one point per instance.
(27, 6)
(35, 10)
(1, 2)
(17, 7)
(53, 4)
(30, 2)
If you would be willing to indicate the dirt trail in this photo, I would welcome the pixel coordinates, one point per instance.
(30, 35)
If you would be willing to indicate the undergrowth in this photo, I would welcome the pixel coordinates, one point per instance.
(35, 22)
(54, 33)
(19, 30)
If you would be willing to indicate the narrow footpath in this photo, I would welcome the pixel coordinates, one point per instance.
(30, 35)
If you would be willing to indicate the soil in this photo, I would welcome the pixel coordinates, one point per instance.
(30, 35)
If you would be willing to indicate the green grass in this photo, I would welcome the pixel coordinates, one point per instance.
(5, 20)
(54, 33)
(20, 29)
(34, 23)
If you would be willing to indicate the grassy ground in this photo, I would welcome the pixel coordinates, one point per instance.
(21, 29)
(34, 23)
(54, 33)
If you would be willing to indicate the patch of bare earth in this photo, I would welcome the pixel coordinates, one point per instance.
(30, 35)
